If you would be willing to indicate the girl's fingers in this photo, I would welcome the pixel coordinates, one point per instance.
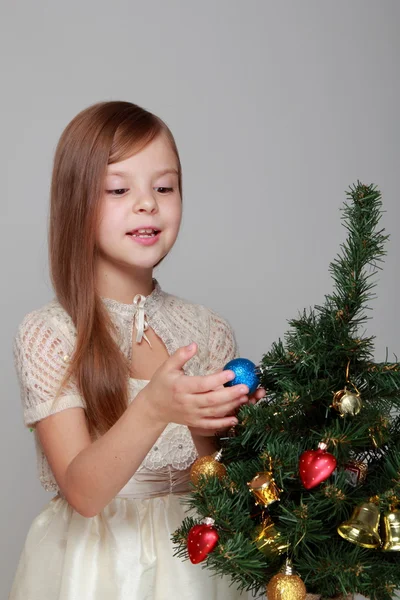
(217, 424)
(226, 408)
(258, 394)
(222, 396)
(199, 384)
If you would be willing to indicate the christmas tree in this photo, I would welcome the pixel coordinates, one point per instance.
(312, 472)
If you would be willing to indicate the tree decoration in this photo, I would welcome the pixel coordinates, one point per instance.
(356, 471)
(207, 466)
(286, 585)
(246, 373)
(347, 402)
(316, 466)
(263, 487)
(267, 539)
(391, 530)
(202, 540)
(363, 527)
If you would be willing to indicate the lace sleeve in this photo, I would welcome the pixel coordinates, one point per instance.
(222, 343)
(41, 355)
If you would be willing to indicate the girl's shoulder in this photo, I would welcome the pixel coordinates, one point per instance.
(190, 321)
(46, 322)
(182, 305)
(212, 323)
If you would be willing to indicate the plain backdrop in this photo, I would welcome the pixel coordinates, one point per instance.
(277, 108)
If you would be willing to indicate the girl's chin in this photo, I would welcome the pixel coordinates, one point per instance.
(138, 258)
(146, 265)
(124, 264)
(142, 266)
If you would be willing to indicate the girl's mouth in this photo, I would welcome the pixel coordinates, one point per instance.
(146, 237)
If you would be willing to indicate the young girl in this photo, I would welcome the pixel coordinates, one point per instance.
(121, 381)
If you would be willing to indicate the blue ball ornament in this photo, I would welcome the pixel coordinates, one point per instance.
(246, 373)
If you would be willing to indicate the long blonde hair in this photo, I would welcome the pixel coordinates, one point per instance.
(102, 134)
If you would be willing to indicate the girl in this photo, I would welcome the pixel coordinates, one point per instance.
(121, 381)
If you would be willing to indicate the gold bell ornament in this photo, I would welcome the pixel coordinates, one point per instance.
(390, 530)
(286, 585)
(208, 466)
(362, 527)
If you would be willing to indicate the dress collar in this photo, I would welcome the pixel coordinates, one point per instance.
(152, 303)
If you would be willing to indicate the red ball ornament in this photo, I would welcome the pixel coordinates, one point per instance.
(316, 465)
(202, 540)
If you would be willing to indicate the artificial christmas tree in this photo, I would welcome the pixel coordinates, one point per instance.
(326, 437)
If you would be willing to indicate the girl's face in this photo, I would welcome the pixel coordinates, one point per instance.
(140, 193)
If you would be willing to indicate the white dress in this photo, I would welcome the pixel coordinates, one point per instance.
(125, 552)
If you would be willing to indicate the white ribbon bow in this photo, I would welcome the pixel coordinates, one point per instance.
(141, 323)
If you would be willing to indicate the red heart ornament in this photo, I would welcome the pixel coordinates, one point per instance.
(202, 540)
(315, 466)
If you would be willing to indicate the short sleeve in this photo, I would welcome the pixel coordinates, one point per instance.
(222, 343)
(41, 355)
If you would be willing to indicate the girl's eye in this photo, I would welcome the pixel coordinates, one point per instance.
(121, 191)
(117, 192)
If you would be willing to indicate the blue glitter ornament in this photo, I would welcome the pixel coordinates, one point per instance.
(246, 373)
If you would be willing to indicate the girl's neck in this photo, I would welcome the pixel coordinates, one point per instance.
(123, 286)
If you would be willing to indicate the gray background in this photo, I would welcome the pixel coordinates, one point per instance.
(277, 107)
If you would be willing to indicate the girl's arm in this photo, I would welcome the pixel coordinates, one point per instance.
(90, 474)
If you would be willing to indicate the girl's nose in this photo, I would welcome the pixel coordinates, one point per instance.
(145, 203)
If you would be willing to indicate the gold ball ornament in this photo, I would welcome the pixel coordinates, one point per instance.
(208, 466)
(347, 403)
(264, 488)
(286, 585)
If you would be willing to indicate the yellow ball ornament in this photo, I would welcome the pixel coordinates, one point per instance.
(286, 585)
(208, 466)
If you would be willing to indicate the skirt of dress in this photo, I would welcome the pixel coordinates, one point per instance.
(124, 553)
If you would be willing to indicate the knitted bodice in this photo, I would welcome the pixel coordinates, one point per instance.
(45, 342)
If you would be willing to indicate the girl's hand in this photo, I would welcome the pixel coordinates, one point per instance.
(251, 399)
(258, 395)
(200, 402)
